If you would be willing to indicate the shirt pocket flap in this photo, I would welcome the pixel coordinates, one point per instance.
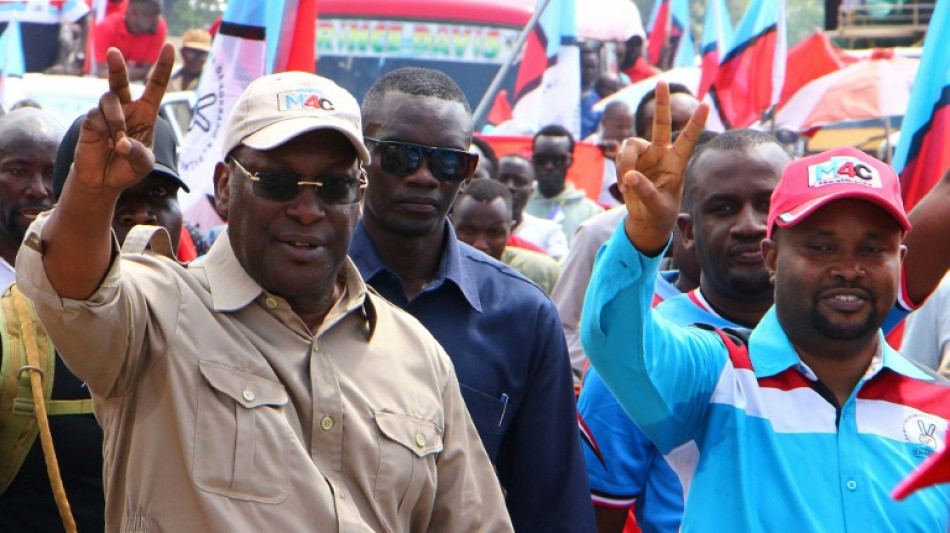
(246, 389)
(420, 436)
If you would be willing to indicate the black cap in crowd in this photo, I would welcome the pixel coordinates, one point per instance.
(164, 148)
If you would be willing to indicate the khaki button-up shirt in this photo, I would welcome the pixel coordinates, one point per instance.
(223, 412)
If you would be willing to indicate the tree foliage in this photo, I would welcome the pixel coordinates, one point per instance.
(182, 15)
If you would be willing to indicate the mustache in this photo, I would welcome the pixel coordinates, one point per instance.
(872, 296)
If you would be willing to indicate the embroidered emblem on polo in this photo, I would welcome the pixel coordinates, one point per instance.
(302, 99)
(922, 430)
(843, 169)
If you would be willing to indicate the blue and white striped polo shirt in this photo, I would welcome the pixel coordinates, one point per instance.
(764, 450)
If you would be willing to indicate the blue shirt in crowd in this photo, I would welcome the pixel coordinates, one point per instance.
(505, 339)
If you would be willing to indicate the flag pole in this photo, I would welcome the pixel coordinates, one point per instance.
(489, 97)
(887, 140)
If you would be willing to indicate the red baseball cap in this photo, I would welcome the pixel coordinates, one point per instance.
(935, 469)
(811, 182)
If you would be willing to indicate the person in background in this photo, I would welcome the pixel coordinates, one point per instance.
(531, 232)
(682, 106)
(487, 159)
(28, 141)
(616, 124)
(590, 72)
(482, 219)
(516, 380)
(138, 33)
(725, 205)
(555, 198)
(632, 61)
(195, 46)
(28, 505)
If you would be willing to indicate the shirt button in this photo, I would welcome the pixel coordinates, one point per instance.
(326, 423)
(271, 303)
(420, 439)
(248, 395)
(852, 484)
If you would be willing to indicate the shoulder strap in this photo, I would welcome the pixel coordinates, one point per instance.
(736, 341)
(142, 237)
(18, 425)
(29, 330)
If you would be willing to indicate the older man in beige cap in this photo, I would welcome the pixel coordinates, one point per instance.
(262, 388)
(195, 46)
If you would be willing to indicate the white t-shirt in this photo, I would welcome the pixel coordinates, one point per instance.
(544, 233)
(927, 331)
(7, 274)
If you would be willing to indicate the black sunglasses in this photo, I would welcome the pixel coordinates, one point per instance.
(558, 160)
(402, 159)
(284, 186)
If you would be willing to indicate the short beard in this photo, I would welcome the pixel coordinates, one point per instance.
(846, 333)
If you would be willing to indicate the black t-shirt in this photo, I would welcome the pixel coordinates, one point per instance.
(27, 506)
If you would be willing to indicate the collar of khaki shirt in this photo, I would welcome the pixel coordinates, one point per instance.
(232, 288)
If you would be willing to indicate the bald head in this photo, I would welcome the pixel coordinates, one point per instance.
(617, 121)
(28, 123)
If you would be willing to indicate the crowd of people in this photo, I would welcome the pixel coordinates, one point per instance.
(397, 330)
(63, 37)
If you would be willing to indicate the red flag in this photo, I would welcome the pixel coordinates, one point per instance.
(750, 77)
(302, 47)
(809, 60)
(500, 110)
(659, 29)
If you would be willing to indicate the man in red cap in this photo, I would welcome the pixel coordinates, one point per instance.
(809, 422)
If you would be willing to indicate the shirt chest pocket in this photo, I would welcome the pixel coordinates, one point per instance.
(242, 441)
(408, 450)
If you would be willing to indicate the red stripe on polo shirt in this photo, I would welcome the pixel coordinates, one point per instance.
(786, 380)
(738, 353)
(889, 386)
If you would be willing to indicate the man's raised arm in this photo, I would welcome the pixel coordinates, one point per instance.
(113, 153)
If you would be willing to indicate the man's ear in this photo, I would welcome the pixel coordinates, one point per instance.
(222, 190)
(770, 255)
(570, 160)
(684, 224)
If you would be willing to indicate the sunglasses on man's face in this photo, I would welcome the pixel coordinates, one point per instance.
(542, 160)
(284, 186)
(446, 164)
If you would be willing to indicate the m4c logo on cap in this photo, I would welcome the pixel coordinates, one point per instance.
(843, 169)
(302, 99)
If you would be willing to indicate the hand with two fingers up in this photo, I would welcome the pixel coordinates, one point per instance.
(114, 149)
(650, 175)
(112, 154)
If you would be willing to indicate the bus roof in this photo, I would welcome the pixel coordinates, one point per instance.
(503, 12)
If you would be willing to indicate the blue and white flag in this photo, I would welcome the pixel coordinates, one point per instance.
(548, 86)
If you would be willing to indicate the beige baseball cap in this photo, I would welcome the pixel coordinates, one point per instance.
(276, 108)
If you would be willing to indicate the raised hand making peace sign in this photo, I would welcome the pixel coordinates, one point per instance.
(113, 153)
(114, 146)
(650, 175)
